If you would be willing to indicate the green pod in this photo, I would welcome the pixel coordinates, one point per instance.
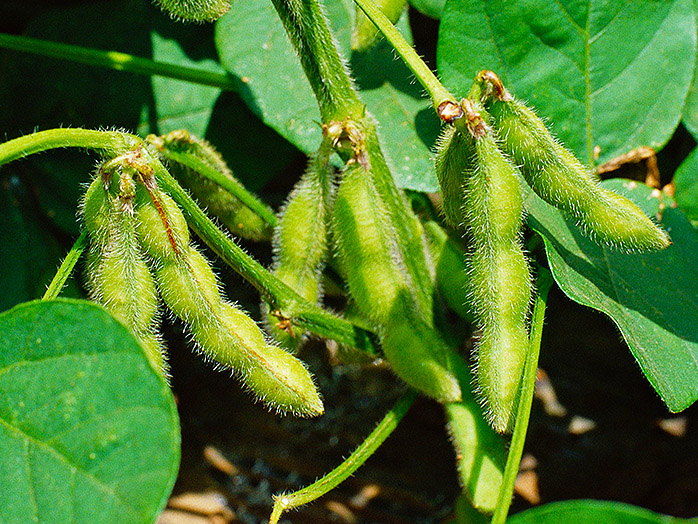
(421, 358)
(301, 238)
(454, 159)
(559, 178)
(382, 290)
(195, 10)
(189, 159)
(276, 377)
(161, 226)
(365, 33)
(480, 454)
(365, 244)
(500, 281)
(411, 250)
(118, 277)
(228, 336)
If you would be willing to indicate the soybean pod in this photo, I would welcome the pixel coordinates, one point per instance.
(370, 259)
(302, 235)
(118, 277)
(222, 332)
(195, 10)
(558, 177)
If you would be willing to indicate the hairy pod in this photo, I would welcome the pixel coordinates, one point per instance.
(365, 33)
(219, 202)
(454, 159)
(195, 10)
(301, 238)
(500, 280)
(560, 179)
(367, 249)
(411, 253)
(161, 226)
(480, 454)
(229, 337)
(118, 277)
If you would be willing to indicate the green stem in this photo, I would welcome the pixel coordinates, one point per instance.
(233, 187)
(285, 502)
(523, 411)
(116, 60)
(66, 268)
(307, 28)
(111, 143)
(304, 314)
(437, 92)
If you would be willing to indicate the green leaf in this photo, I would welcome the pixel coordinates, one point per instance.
(690, 110)
(609, 74)
(591, 512)
(272, 83)
(88, 430)
(686, 186)
(656, 312)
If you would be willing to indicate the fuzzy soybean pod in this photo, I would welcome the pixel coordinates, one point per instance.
(195, 10)
(301, 238)
(190, 158)
(454, 159)
(409, 240)
(222, 332)
(118, 276)
(500, 280)
(365, 33)
(378, 282)
(559, 178)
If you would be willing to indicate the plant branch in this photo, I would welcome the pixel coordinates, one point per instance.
(308, 30)
(437, 92)
(317, 489)
(66, 268)
(116, 60)
(523, 411)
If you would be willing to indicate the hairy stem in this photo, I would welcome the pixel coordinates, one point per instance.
(307, 28)
(437, 92)
(115, 60)
(317, 489)
(523, 412)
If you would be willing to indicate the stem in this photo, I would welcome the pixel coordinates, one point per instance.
(306, 315)
(233, 187)
(437, 92)
(66, 268)
(116, 60)
(523, 411)
(307, 28)
(338, 475)
(112, 143)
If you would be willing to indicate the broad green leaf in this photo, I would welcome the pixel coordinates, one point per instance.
(690, 110)
(656, 312)
(272, 83)
(608, 74)
(88, 430)
(591, 512)
(686, 186)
